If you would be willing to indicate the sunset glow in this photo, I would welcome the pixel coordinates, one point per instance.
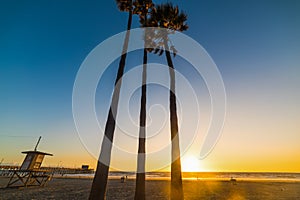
(190, 164)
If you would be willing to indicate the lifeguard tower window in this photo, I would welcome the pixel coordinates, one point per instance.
(85, 167)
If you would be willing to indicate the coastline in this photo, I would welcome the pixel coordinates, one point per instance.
(187, 179)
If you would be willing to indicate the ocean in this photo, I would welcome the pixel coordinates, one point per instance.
(217, 176)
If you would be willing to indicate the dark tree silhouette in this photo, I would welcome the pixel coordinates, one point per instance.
(168, 17)
(142, 8)
(98, 190)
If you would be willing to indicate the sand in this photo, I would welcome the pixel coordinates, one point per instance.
(76, 188)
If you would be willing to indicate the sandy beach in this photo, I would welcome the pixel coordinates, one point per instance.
(78, 188)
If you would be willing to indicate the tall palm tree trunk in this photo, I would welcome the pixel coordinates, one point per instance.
(98, 190)
(176, 179)
(140, 176)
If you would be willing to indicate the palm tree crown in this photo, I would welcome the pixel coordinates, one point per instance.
(124, 5)
(142, 7)
(168, 16)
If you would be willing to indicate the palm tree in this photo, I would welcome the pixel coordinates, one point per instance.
(169, 18)
(98, 190)
(142, 8)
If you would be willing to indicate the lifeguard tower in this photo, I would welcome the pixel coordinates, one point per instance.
(30, 173)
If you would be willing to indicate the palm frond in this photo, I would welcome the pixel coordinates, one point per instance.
(124, 5)
(169, 16)
(143, 8)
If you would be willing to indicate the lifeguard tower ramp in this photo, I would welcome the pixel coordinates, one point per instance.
(30, 173)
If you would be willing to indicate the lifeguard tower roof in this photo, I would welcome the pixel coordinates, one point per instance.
(37, 152)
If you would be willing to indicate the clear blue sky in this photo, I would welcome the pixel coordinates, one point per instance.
(255, 44)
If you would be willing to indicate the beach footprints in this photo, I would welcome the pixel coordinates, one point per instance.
(91, 97)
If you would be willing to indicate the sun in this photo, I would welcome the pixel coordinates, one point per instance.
(190, 164)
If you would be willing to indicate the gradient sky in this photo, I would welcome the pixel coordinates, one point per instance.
(255, 45)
